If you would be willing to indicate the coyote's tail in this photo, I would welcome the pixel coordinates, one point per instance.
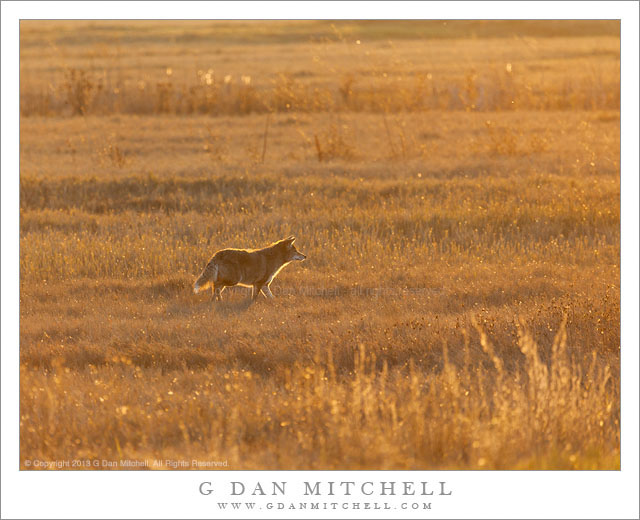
(208, 276)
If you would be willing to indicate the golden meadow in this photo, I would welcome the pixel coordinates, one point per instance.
(455, 186)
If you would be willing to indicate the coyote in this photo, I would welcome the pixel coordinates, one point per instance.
(254, 268)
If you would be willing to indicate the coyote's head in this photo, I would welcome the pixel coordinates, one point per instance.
(290, 251)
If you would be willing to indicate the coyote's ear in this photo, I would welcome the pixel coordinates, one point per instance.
(290, 240)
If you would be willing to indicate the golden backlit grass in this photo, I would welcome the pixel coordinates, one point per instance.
(221, 69)
(459, 307)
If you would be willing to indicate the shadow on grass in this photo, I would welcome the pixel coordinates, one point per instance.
(234, 306)
(230, 305)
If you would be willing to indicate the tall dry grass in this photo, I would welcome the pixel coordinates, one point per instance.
(459, 307)
(346, 409)
(82, 92)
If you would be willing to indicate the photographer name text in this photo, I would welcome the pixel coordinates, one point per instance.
(331, 488)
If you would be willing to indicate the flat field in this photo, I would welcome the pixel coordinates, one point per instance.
(454, 185)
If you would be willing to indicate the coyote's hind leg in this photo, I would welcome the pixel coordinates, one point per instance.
(216, 292)
(256, 291)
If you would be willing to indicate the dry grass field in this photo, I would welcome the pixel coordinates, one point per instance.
(454, 185)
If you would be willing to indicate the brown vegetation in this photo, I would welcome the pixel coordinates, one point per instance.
(458, 201)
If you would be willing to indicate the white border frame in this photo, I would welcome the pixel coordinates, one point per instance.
(492, 494)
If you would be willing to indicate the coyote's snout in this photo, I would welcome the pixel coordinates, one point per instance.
(254, 268)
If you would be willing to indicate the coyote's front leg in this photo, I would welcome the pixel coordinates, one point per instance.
(267, 292)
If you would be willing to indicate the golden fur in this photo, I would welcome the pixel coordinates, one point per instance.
(248, 267)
